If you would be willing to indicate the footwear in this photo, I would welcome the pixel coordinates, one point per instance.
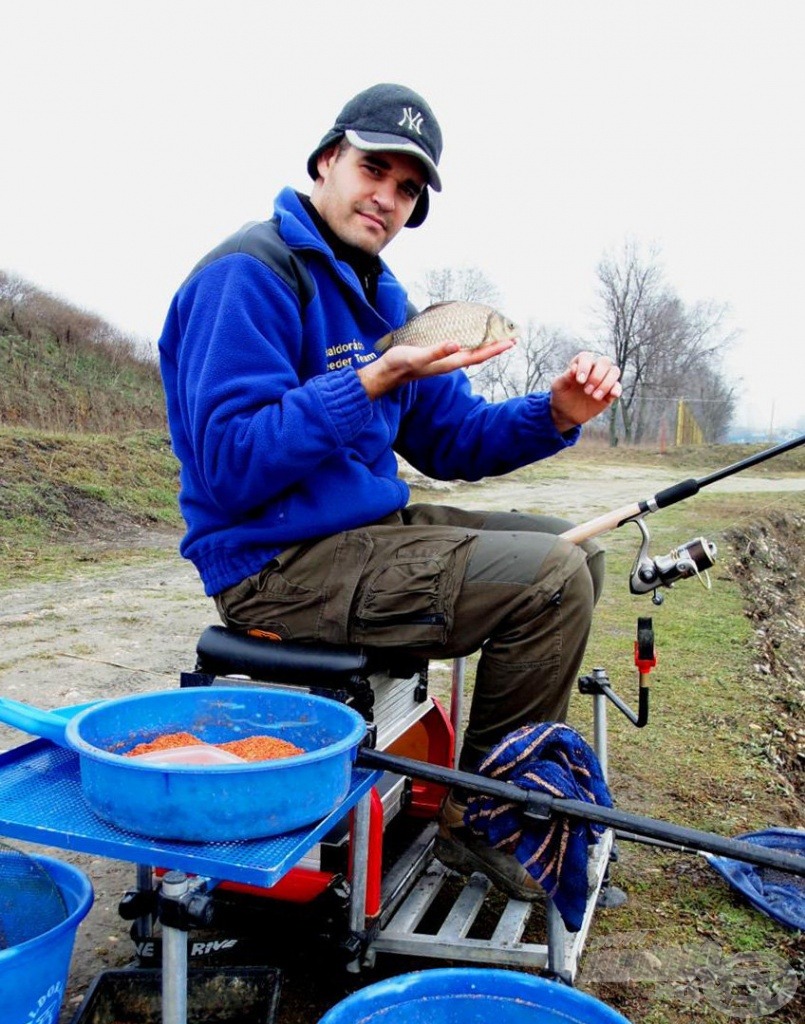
(456, 847)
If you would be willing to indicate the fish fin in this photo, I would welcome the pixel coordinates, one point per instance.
(385, 342)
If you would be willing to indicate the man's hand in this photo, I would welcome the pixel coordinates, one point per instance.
(588, 386)
(404, 363)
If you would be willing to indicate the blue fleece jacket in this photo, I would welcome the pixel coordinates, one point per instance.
(276, 437)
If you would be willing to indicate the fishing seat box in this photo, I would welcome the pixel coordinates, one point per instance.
(387, 686)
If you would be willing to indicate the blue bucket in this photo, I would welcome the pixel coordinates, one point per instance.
(33, 974)
(468, 995)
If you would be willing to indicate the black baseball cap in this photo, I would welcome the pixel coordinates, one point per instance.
(392, 119)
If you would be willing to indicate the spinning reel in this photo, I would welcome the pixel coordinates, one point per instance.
(693, 558)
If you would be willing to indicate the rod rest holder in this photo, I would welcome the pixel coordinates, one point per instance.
(598, 683)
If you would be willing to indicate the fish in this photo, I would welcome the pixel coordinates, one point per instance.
(471, 324)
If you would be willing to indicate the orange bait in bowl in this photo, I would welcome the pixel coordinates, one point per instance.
(185, 748)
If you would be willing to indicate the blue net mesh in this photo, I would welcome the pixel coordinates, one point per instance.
(777, 893)
(30, 901)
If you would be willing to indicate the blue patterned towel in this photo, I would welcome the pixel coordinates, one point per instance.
(549, 758)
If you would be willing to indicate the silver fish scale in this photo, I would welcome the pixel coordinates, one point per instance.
(462, 322)
(465, 323)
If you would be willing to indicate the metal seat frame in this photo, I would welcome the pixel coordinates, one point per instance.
(416, 886)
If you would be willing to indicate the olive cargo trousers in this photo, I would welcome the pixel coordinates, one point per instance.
(445, 582)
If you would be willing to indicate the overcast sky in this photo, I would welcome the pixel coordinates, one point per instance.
(136, 135)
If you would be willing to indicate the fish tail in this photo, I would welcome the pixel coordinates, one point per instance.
(385, 342)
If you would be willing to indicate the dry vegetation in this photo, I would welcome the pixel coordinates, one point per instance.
(66, 369)
(769, 562)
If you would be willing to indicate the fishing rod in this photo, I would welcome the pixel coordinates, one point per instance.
(541, 806)
(671, 495)
(693, 558)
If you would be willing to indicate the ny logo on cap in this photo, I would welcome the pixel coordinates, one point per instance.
(411, 120)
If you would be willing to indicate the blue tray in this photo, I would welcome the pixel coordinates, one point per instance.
(41, 802)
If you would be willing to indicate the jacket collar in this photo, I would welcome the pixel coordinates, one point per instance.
(299, 231)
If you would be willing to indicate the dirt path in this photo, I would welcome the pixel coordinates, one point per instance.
(134, 629)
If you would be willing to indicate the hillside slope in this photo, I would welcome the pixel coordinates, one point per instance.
(67, 498)
(65, 369)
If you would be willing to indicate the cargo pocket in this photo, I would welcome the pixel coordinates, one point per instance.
(406, 602)
(267, 600)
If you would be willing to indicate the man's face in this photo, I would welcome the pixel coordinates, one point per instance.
(366, 198)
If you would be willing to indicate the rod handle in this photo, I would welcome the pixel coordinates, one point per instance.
(602, 524)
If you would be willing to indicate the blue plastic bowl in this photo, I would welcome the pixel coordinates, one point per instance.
(224, 802)
(469, 995)
(33, 974)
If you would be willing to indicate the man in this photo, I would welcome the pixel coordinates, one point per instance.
(286, 423)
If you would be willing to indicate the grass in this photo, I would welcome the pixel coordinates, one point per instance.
(133, 473)
(696, 460)
(698, 761)
(67, 499)
(64, 372)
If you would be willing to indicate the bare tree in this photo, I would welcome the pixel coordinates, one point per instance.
(628, 292)
(661, 346)
(464, 284)
(13, 289)
(539, 355)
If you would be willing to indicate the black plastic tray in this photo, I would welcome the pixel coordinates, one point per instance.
(236, 995)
